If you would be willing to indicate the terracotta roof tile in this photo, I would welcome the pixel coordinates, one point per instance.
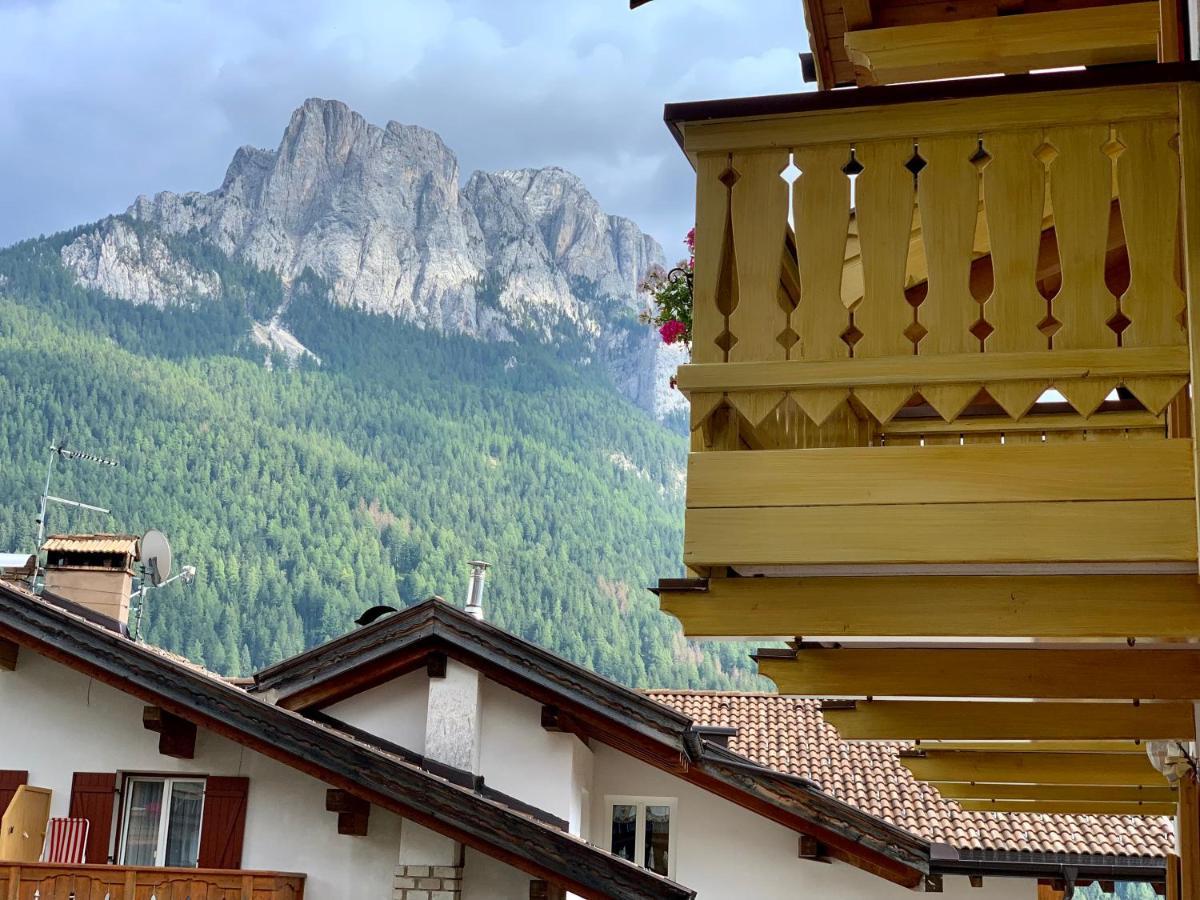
(93, 543)
(790, 735)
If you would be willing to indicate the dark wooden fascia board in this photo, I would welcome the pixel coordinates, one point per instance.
(333, 758)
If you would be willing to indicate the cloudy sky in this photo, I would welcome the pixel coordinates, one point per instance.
(107, 99)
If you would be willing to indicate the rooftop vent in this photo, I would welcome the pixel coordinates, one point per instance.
(715, 734)
(474, 607)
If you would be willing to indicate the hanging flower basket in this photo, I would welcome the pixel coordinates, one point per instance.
(670, 294)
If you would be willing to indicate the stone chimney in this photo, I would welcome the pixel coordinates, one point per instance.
(93, 570)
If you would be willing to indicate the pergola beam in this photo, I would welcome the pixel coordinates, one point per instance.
(932, 720)
(1027, 672)
(1062, 793)
(1135, 748)
(1034, 768)
(1069, 808)
(1049, 606)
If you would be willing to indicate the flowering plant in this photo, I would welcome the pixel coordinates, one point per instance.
(671, 298)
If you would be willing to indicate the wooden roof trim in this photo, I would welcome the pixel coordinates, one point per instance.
(334, 758)
(609, 713)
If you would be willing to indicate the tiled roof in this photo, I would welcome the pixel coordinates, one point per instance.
(92, 543)
(790, 735)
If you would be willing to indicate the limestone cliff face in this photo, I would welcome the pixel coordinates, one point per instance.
(383, 216)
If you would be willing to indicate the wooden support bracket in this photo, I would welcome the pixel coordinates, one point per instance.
(8, 655)
(812, 849)
(435, 665)
(555, 720)
(353, 812)
(176, 736)
(933, 884)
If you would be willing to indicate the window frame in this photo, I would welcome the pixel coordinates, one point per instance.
(639, 841)
(128, 779)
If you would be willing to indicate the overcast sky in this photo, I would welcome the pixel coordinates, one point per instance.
(103, 100)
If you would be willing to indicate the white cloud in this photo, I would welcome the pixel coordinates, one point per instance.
(106, 99)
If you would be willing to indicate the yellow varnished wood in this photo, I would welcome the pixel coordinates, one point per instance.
(1136, 748)
(821, 205)
(759, 217)
(1051, 606)
(978, 720)
(955, 790)
(1148, 176)
(992, 44)
(1189, 153)
(1041, 673)
(1072, 807)
(1150, 470)
(1037, 768)
(948, 193)
(1014, 190)
(1080, 191)
(1060, 366)
(1097, 531)
(884, 211)
(712, 219)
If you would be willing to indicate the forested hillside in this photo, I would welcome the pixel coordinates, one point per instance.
(306, 494)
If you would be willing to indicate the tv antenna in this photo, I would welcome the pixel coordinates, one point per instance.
(156, 571)
(61, 450)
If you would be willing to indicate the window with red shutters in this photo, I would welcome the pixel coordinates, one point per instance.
(10, 780)
(224, 823)
(93, 795)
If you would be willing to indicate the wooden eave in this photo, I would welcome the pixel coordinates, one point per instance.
(336, 759)
(606, 712)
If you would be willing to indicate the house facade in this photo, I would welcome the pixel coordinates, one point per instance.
(431, 756)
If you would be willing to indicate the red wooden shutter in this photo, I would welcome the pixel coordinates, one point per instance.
(224, 823)
(93, 795)
(10, 780)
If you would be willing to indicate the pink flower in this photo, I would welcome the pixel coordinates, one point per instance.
(690, 240)
(672, 330)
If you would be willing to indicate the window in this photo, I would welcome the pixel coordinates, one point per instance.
(161, 821)
(640, 831)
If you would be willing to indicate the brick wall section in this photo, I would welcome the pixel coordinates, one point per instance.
(427, 883)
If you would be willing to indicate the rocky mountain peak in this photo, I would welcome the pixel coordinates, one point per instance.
(381, 215)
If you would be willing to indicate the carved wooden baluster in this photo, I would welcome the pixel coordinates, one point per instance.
(1148, 180)
(1014, 196)
(821, 212)
(712, 220)
(948, 195)
(759, 215)
(884, 211)
(1081, 184)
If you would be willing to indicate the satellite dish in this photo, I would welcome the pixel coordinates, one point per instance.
(156, 556)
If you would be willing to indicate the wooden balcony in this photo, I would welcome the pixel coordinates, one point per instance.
(883, 296)
(49, 881)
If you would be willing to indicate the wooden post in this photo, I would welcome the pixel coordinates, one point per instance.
(1188, 838)
(1172, 876)
(1189, 160)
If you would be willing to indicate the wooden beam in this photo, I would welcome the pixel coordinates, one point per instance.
(1188, 839)
(947, 368)
(1051, 606)
(176, 736)
(1094, 36)
(555, 720)
(948, 533)
(353, 812)
(8, 655)
(977, 473)
(811, 848)
(1034, 768)
(858, 14)
(1133, 748)
(1189, 159)
(1126, 673)
(960, 790)
(916, 720)
(1069, 808)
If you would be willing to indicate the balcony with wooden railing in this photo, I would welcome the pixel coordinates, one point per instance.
(52, 881)
(884, 295)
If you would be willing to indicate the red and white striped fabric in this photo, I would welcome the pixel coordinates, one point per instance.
(66, 841)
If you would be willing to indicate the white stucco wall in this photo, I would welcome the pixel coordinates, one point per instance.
(58, 722)
(522, 759)
(724, 851)
(394, 711)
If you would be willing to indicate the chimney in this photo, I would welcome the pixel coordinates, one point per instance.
(93, 570)
(474, 607)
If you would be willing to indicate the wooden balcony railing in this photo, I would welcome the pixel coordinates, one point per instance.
(919, 274)
(49, 881)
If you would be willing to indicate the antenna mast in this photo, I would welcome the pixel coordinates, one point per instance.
(47, 497)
